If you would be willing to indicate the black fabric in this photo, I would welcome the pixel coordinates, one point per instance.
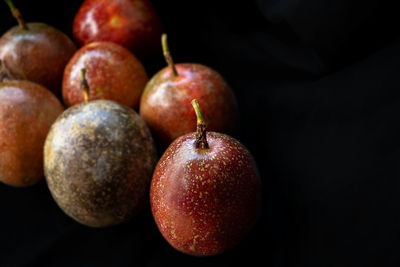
(317, 83)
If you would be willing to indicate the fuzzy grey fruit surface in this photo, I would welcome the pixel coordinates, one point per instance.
(98, 161)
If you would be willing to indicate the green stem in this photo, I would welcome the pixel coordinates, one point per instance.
(201, 133)
(167, 54)
(10, 4)
(15, 12)
(84, 86)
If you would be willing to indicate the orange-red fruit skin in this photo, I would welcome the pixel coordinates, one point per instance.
(133, 24)
(205, 201)
(165, 103)
(113, 73)
(27, 110)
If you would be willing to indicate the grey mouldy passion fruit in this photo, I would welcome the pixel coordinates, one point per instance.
(206, 192)
(98, 158)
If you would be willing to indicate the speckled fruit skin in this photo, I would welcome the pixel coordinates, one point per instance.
(98, 160)
(113, 73)
(205, 201)
(27, 111)
(38, 54)
(133, 24)
(165, 102)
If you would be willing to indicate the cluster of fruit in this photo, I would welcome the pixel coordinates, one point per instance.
(98, 156)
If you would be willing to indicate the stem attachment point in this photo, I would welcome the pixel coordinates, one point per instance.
(201, 133)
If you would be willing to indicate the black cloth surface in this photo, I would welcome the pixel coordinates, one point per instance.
(318, 88)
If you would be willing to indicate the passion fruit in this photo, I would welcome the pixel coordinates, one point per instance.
(98, 161)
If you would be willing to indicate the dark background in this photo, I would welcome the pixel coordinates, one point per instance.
(317, 82)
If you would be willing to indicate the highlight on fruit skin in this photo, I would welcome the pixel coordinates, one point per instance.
(134, 25)
(205, 198)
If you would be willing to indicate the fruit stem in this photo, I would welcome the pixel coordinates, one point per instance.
(201, 133)
(15, 12)
(84, 86)
(167, 54)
